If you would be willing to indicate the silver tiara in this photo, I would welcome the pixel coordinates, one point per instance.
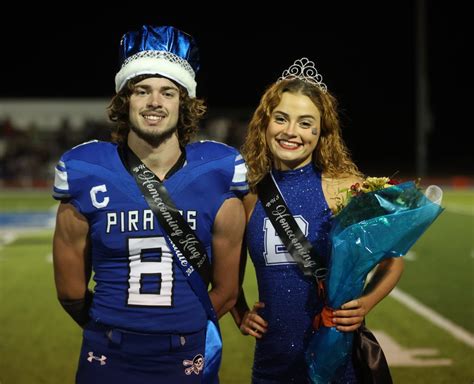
(304, 69)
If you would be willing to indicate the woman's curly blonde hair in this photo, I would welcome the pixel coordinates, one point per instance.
(191, 112)
(331, 155)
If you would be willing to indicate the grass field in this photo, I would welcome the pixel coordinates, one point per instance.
(40, 344)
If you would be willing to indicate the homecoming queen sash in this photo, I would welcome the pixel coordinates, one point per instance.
(189, 253)
(288, 230)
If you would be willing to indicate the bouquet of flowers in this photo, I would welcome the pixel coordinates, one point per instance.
(378, 219)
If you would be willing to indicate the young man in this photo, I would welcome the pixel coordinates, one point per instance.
(150, 318)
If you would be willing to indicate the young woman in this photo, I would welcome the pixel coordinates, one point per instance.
(295, 134)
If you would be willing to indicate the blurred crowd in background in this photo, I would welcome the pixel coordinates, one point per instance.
(34, 135)
(29, 154)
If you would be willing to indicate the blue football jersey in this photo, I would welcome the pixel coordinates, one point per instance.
(139, 287)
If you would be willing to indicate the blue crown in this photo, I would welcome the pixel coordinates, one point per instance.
(164, 50)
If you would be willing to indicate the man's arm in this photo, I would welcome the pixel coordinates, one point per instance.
(248, 320)
(241, 307)
(72, 268)
(227, 238)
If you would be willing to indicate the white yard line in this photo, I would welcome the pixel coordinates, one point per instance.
(460, 209)
(455, 330)
(7, 237)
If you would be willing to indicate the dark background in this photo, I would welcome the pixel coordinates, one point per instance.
(364, 50)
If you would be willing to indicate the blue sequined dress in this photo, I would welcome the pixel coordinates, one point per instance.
(290, 298)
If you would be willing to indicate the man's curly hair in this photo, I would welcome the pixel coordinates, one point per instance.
(191, 112)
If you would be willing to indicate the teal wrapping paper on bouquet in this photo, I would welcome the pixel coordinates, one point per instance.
(372, 227)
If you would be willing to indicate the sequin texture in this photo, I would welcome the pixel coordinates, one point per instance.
(290, 298)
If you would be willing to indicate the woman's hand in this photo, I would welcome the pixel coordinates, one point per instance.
(350, 316)
(252, 323)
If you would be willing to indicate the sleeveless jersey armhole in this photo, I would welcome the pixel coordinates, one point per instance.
(249, 200)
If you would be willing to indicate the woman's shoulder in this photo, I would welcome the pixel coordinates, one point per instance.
(341, 181)
(335, 187)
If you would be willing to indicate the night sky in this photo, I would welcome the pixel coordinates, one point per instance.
(364, 50)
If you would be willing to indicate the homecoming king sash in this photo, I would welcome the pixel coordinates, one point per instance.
(183, 243)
